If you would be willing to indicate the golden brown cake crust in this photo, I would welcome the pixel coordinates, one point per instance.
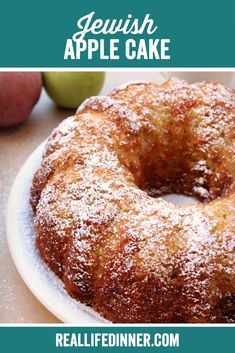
(101, 228)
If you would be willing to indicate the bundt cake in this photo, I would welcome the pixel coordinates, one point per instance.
(101, 225)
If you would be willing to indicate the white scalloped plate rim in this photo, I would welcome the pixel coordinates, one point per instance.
(42, 282)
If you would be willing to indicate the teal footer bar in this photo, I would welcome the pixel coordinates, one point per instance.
(61, 339)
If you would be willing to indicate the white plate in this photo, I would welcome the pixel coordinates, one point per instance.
(21, 239)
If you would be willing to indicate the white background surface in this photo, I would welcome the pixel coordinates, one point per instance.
(17, 303)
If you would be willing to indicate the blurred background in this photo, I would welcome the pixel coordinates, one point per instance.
(17, 304)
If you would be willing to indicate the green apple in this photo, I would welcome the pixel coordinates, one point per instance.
(70, 89)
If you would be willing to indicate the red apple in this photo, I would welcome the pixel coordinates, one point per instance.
(19, 92)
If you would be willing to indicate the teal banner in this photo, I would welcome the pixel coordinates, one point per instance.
(77, 34)
(117, 339)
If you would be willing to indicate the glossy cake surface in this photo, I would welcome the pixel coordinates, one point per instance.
(100, 225)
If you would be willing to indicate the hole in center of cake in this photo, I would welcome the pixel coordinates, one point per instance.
(180, 199)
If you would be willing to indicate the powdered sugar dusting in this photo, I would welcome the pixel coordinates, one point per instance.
(21, 238)
(134, 257)
(113, 107)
